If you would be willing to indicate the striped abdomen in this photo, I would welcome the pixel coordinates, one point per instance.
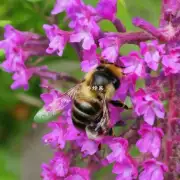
(86, 112)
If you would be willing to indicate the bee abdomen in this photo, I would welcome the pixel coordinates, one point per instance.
(90, 108)
(83, 113)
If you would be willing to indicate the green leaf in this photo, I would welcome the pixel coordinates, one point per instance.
(43, 116)
(33, 0)
(4, 22)
(124, 15)
(1, 53)
(134, 151)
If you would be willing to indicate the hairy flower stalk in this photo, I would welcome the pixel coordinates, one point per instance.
(154, 125)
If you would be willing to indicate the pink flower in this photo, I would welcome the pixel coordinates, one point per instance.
(148, 105)
(83, 18)
(150, 140)
(125, 171)
(152, 53)
(46, 173)
(89, 147)
(17, 48)
(54, 101)
(62, 131)
(58, 39)
(84, 36)
(18, 37)
(153, 170)
(133, 64)
(128, 84)
(119, 150)
(15, 59)
(115, 114)
(110, 47)
(60, 164)
(56, 138)
(21, 78)
(107, 9)
(59, 169)
(61, 5)
(90, 59)
(171, 62)
(76, 173)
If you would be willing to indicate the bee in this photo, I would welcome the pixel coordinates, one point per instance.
(91, 97)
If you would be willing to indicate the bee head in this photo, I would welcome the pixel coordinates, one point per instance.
(103, 77)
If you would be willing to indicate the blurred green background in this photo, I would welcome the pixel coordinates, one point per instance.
(19, 135)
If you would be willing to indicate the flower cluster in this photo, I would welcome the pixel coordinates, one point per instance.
(153, 126)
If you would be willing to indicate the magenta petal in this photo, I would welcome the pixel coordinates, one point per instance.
(149, 116)
(144, 176)
(110, 53)
(89, 147)
(139, 69)
(143, 144)
(85, 37)
(60, 6)
(159, 110)
(157, 175)
(155, 145)
(47, 98)
(129, 69)
(107, 9)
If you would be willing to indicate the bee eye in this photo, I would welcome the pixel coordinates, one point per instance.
(116, 83)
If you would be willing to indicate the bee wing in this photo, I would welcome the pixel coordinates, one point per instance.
(73, 91)
(105, 118)
(66, 97)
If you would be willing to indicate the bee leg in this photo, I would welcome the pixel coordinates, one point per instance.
(117, 103)
(110, 132)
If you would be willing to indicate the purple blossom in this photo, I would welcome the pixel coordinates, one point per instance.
(13, 45)
(46, 173)
(128, 84)
(114, 114)
(54, 101)
(107, 9)
(21, 78)
(150, 140)
(12, 35)
(119, 150)
(61, 5)
(90, 59)
(15, 59)
(58, 39)
(110, 46)
(133, 64)
(153, 170)
(18, 47)
(148, 105)
(89, 147)
(62, 131)
(59, 169)
(152, 53)
(56, 138)
(83, 19)
(84, 36)
(60, 164)
(171, 63)
(76, 173)
(125, 171)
